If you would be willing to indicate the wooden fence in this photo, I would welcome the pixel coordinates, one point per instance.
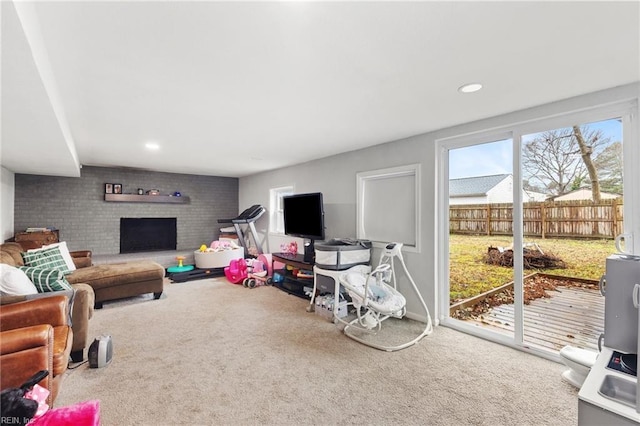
(562, 219)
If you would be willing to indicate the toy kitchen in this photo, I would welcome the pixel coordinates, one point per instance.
(610, 393)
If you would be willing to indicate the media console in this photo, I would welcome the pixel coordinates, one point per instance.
(291, 283)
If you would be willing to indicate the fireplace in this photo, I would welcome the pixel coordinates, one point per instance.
(147, 234)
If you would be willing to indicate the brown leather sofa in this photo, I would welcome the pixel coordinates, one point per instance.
(109, 281)
(82, 299)
(95, 284)
(35, 335)
(114, 281)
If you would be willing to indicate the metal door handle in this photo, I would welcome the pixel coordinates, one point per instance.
(600, 339)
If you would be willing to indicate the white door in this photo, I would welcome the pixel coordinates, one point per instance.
(547, 158)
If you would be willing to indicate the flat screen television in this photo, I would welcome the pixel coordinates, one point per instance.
(304, 218)
(148, 234)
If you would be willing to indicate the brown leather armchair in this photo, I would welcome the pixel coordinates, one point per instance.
(35, 335)
(82, 302)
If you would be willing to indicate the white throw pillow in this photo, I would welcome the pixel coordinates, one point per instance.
(64, 251)
(14, 282)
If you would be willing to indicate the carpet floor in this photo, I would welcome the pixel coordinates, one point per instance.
(213, 353)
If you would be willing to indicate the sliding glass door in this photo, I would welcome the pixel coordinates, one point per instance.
(579, 169)
(528, 216)
(480, 206)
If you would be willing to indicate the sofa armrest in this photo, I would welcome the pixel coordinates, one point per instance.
(52, 310)
(82, 312)
(70, 294)
(81, 258)
(10, 299)
(28, 346)
(25, 338)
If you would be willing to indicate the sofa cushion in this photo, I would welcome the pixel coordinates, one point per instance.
(15, 282)
(50, 258)
(46, 279)
(114, 274)
(64, 252)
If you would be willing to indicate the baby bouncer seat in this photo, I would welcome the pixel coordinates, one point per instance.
(375, 298)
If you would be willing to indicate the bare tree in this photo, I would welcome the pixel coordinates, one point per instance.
(546, 162)
(586, 149)
(560, 160)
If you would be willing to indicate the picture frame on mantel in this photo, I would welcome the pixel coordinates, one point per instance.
(108, 188)
(117, 188)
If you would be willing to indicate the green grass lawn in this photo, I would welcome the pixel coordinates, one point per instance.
(470, 276)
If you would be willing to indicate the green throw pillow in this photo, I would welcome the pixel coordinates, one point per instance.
(50, 258)
(46, 279)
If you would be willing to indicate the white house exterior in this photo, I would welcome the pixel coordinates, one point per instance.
(584, 194)
(491, 189)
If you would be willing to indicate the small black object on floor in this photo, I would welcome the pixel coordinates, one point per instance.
(195, 274)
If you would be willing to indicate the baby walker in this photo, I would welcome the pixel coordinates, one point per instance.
(376, 299)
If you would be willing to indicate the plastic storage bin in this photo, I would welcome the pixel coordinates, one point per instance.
(217, 259)
(326, 304)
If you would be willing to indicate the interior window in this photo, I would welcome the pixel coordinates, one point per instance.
(276, 211)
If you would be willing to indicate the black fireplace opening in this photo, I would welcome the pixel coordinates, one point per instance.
(147, 234)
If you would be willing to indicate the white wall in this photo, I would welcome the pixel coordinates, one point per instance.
(529, 196)
(7, 201)
(526, 197)
(460, 201)
(502, 192)
(584, 194)
(335, 177)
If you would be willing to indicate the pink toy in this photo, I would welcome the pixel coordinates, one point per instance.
(39, 394)
(256, 266)
(236, 272)
(268, 261)
(258, 274)
(291, 248)
(83, 413)
(220, 245)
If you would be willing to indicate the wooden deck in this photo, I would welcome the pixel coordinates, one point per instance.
(571, 316)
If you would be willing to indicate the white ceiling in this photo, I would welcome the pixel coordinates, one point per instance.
(235, 88)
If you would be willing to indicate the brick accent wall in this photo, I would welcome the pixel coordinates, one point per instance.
(77, 208)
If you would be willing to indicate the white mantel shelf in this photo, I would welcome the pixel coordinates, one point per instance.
(135, 198)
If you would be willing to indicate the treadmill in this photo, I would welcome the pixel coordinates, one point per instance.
(247, 217)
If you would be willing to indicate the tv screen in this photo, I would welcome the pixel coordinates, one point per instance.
(147, 234)
(304, 216)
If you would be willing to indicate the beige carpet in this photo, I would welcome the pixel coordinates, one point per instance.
(214, 353)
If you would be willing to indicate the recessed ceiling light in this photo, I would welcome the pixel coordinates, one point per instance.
(152, 146)
(470, 88)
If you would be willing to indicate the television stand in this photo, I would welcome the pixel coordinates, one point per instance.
(291, 283)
